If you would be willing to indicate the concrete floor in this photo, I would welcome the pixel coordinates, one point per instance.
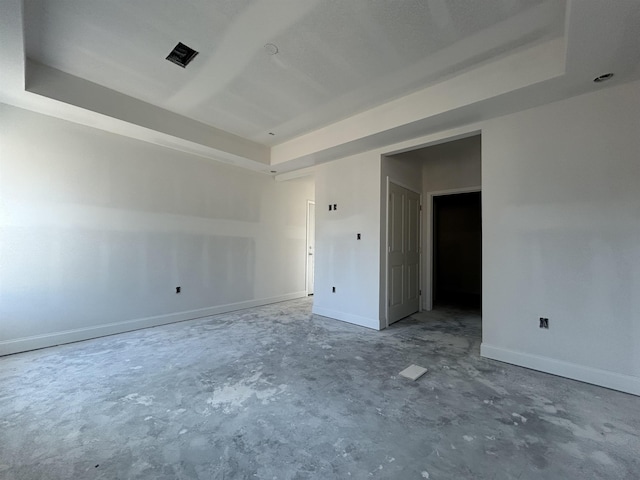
(277, 393)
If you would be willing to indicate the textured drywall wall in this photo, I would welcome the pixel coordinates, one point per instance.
(561, 230)
(342, 261)
(97, 230)
(560, 234)
(451, 165)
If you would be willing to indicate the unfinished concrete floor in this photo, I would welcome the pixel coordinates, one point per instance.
(277, 393)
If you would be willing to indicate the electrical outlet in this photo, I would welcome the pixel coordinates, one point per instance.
(178, 289)
(544, 322)
(359, 237)
(335, 206)
(330, 207)
(333, 289)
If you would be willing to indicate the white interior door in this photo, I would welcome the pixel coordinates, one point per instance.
(403, 261)
(311, 245)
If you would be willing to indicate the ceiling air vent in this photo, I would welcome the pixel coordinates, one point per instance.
(182, 55)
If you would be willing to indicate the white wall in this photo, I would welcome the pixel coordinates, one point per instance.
(97, 230)
(404, 170)
(342, 261)
(561, 237)
(451, 165)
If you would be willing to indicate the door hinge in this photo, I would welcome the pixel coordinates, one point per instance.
(420, 207)
(419, 292)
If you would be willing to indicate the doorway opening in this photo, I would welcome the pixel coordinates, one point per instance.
(311, 247)
(450, 279)
(457, 250)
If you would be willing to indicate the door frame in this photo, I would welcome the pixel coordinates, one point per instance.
(428, 294)
(386, 248)
(306, 250)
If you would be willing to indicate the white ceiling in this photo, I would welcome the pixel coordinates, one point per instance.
(346, 72)
(335, 57)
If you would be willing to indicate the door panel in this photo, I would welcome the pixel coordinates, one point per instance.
(397, 278)
(413, 279)
(412, 219)
(403, 266)
(396, 220)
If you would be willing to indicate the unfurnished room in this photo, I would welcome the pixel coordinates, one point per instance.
(318, 239)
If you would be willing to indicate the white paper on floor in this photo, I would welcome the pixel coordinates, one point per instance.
(413, 372)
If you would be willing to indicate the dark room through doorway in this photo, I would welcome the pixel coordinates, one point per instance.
(457, 250)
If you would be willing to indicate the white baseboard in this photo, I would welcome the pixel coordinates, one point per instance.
(602, 378)
(35, 342)
(347, 317)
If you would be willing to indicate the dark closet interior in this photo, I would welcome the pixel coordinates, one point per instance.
(457, 253)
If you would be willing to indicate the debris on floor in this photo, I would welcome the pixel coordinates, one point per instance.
(413, 372)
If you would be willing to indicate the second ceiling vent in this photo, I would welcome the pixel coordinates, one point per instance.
(182, 55)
